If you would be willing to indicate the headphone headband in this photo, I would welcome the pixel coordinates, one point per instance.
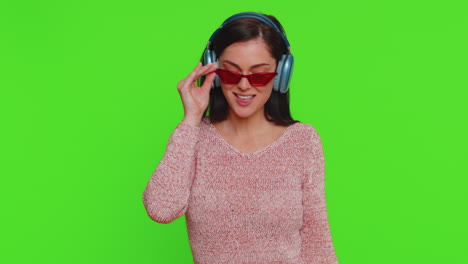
(252, 15)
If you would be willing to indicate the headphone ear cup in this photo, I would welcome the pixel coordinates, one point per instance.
(287, 62)
(279, 70)
(209, 56)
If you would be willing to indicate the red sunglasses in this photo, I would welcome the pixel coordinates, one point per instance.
(255, 79)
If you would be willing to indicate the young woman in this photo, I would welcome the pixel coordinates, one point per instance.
(249, 178)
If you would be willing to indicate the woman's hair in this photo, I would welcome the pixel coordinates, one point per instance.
(277, 107)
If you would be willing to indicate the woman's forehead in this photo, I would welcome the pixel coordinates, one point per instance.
(247, 54)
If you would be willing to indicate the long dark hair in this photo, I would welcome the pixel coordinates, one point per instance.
(277, 107)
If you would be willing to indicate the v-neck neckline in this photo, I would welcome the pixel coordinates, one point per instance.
(258, 151)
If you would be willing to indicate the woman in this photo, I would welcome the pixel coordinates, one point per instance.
(249, 178)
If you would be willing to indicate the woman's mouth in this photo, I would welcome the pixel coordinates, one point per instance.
(244, 100)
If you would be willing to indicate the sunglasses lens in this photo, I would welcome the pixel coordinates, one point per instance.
(228, 77)
(261, 79)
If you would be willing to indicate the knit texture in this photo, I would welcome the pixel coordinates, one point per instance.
(264, 207)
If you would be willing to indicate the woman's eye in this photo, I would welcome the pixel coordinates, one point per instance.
(258, 76)
(233, 74)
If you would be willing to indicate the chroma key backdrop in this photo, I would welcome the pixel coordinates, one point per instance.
(88, 101)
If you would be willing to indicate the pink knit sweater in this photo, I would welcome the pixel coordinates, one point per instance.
(264, 207)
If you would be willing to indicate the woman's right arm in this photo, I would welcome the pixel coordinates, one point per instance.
(166, 195)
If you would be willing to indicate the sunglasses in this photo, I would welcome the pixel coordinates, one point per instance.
(255, 79)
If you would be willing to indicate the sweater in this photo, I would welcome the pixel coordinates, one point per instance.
(264, 207)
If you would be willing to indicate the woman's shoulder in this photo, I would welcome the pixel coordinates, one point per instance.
(205, 124)
(206, 128)
(205, 121)
(304, 129)
(304, 135)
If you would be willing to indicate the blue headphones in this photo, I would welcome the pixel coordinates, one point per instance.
(285, 65)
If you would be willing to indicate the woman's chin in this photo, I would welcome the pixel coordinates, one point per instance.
(245, 112)
(246, 108)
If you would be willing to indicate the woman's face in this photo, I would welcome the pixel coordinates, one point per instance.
(247, 57)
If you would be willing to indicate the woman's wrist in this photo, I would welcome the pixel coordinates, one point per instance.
(192, 120)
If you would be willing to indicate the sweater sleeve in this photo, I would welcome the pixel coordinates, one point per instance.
(167, 192)
(317, 246)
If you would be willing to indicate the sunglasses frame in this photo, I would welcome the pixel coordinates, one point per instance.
(230, 77)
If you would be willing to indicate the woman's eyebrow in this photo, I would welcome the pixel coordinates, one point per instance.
(251, 67)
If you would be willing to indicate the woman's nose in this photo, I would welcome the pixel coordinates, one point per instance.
(244, 83)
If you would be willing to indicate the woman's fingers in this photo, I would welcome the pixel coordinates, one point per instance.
(204, 70)
(198, 72)
(194, 98)
(208, 81)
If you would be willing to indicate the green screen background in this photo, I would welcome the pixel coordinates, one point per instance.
(88, 101)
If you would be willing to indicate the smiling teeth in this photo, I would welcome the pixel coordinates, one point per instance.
(244, 97)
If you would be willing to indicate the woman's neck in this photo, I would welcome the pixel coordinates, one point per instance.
(246, 126)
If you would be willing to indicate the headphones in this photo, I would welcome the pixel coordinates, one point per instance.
(285, 65)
